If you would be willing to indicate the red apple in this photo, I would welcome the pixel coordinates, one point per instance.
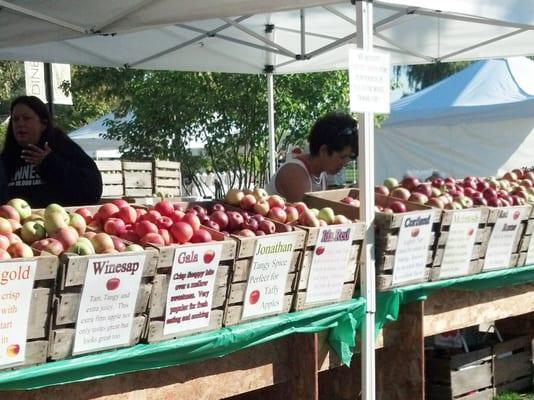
(20, 250)
(118, 244)
(164, 222)
(181, 232)
(292, 214)
(397, 206)
(127, 214)
(217, 207)
(152, 238)
(4, 255)
(102, 242)
(261, 207)
(247, 202)
(300, 206)
(235, 220)
(278, 214)
(245, 233)
(49, 245)
(130, 236)
(267, 227)
(424, 188)
(437, 182)
(220, 218)
(410, 182)
(144, 227)
(67, 236)
(435, 202)
(4, 242)
(151, 215)
(177, 215)
(114, 226)
(378, 189)
(120, 203)
(201, 236)
(166, 235)
(212, 225)
(107, 210)
(9, 212)
(400, 193)
(276, 201)
(349, 199)
(164, 207)
(192, 220)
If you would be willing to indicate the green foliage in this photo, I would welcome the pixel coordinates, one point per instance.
(11, 84)
(424, 75)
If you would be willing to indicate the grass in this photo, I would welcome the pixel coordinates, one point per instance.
(515, 396)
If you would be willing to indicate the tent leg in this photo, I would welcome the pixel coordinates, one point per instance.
(270, 114)
(364, 29)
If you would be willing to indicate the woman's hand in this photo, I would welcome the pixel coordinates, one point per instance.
(35, 155)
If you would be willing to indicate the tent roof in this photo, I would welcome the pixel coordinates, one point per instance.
(229, 35)
(484, 88)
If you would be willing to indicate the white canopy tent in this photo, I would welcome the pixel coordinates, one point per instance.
(309, 35)
(479, 121)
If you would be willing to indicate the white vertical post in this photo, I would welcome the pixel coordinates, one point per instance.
(366, 177)
(269, 69)
(270, 114)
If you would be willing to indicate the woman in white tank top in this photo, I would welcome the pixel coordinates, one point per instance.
(333, 141)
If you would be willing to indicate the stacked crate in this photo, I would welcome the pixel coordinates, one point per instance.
(167, 178)
(112, 178)
(137, 178)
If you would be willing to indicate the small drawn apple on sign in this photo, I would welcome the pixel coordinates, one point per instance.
(517, 214)
(209, 256)
(415, 232)
(12, 350)
(254, 297)
(319, 250)
(470, 231)
(113, 284)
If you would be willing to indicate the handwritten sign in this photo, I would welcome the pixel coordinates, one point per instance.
(412, 247)
(108, 302)
(329, 266)
(502, 238)
(190, 292)
(369, 83)
(268, 275)
(460, 243)
(16, 284)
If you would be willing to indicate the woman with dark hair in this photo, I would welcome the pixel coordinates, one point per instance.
(332, 141)
(42, 164)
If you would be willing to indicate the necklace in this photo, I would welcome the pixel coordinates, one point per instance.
(315, 179)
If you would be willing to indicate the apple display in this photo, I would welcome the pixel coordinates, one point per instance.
(22, 207)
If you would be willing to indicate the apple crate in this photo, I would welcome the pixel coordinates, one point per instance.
(519, 246)
(137, 178)
(465, 376)
(112, 177)
(353, 265)
(167, 178)
(240, 274)
(71, 279)
(158, 297)
(387, 228)
(40, 308)
(480, 242)
(512, 365)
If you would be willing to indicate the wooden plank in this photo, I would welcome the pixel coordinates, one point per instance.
(165, 164)
(512, 367)
(166, 182)
(136, 166)
(112, 191)
(473, 378)
(109, 165)
(137, 180)
(305, 363)
(516, 386)
(134, 192)
(441, 309)
(112, 179)
(243, 371)
(39, 313)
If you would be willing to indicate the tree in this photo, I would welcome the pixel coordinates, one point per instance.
(424, 75)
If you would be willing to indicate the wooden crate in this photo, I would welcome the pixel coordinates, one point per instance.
(40, 309)
(137, 178)
(461, 376)
(239, 275)
(112, 178)
(352, 267)
(167, 178)
(512, 365)
(71, 279)
(387, 227)
(516, 258)
(526, 244)
(158, 295)
(479, 248)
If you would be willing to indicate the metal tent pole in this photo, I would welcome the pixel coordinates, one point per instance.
(269, 69)
(364, 40)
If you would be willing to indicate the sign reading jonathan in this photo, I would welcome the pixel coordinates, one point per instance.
(329, 266)
(502, 238)
(268, 275)
(460, 243)
(16, 284)
(412, 247)
(191, 288)
(108, 302)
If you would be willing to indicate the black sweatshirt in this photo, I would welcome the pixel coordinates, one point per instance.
(67, 175)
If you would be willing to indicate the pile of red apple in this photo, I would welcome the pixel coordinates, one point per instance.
(275, 207)
(165, 224)
(515, 188)
(55, 231)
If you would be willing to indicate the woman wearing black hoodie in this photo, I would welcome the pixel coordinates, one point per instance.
(42, 164)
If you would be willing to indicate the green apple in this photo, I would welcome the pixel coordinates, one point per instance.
(134, 247)
(78, 223)
(32, 231)
(54, 207)
(82, 247)
(314, 211)
(391, 183)
(327, 215)
(22, 207)
(55, 220)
